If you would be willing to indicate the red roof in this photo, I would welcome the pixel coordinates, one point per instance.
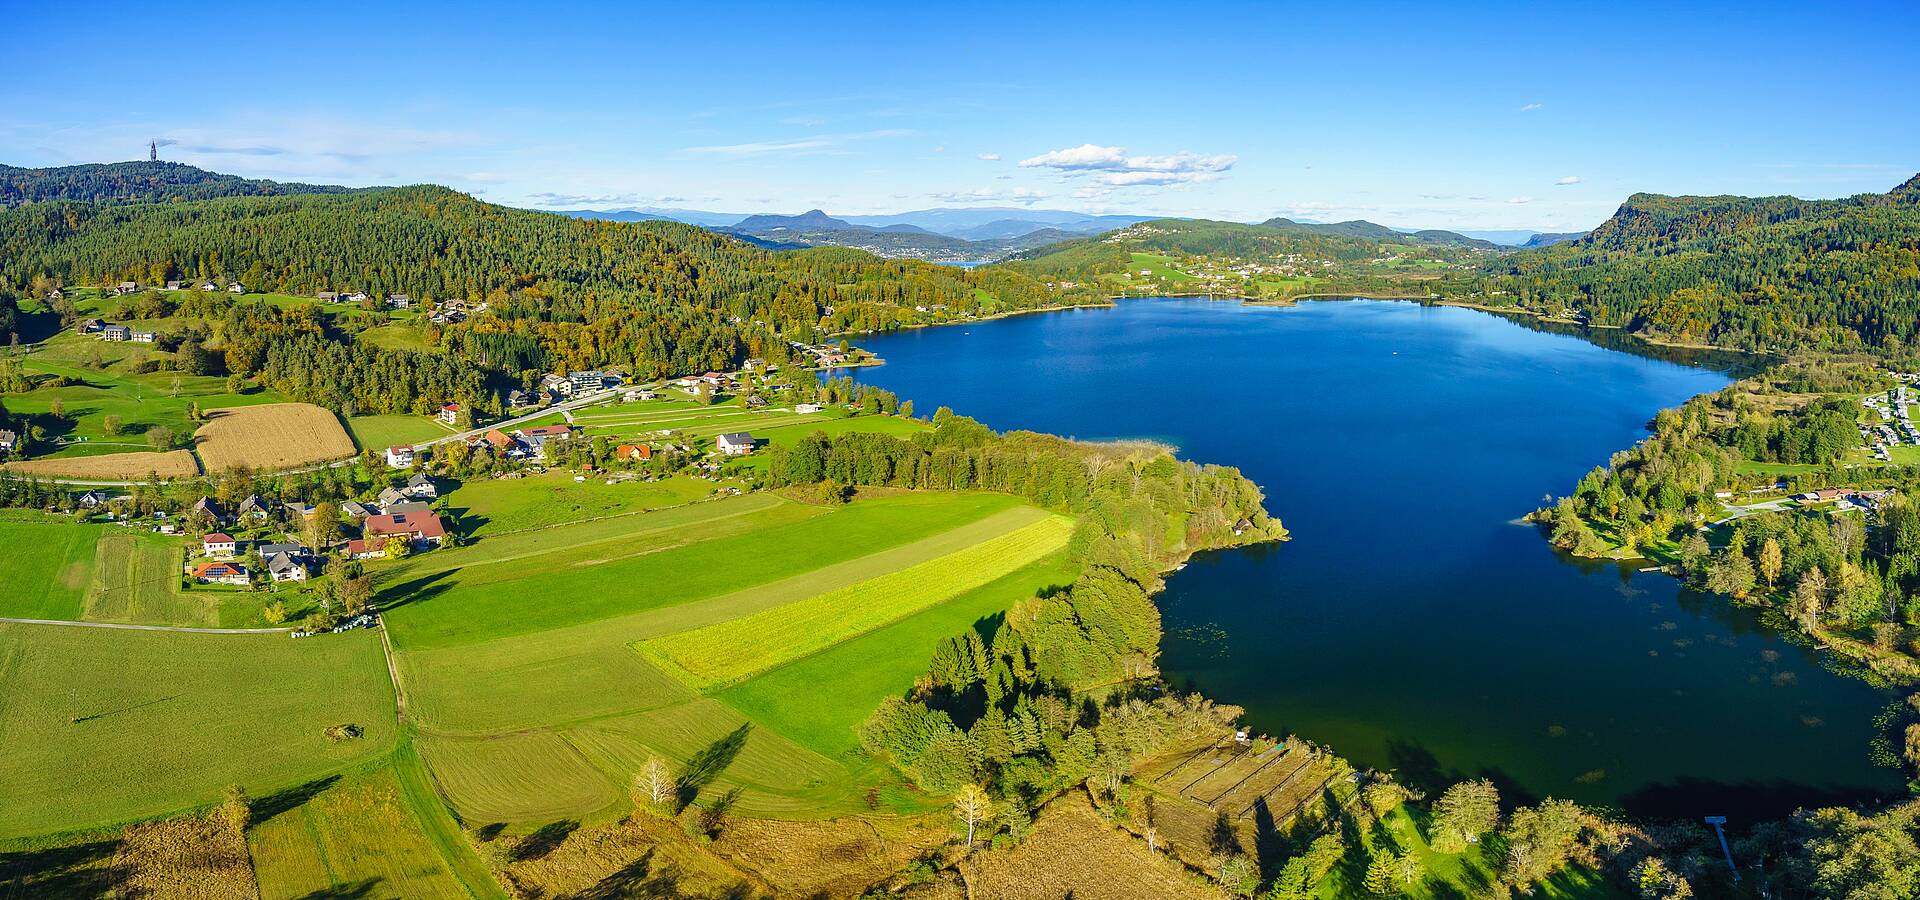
(637, 451)
(423, 523)
(552, 430)
(450, 407)
(217, 570)
(499, 438)
(218, 538)
(397, 449)
(356, 547)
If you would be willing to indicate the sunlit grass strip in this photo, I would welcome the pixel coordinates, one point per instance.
(730, 651)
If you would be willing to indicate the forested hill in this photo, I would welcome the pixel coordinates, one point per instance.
(655, 296)
(1757, 273)
(137, 182)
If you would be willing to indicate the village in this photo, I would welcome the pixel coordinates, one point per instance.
(1895, 409)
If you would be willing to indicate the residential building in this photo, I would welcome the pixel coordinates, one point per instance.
(126, 287)
(806, 408)
(589, 380)
(537, 437)
(422, 529)
(328, 296)
(174, 285)
(218, 544)
(357, 510)
(391, 495)
(236, 288)
(286, 567)
(400, 457)
(91, 326)
(93, 498)
(214, 511)
(255, 506)
(399, 301)
(363, 549)
(142, 337)
(420, 487)
(114, 334)
(736, 443)
(221, 573)
(634, 452)
(450, 413)
(8, 441)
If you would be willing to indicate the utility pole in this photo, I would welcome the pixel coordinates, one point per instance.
(1716, 822)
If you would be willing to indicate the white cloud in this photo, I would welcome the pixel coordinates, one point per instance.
(1531, 107)
(1019, 195)
(1111, 166)
(1519, 200)
(989, 157)
(804, 121)
(940, 149)
(1570, 179)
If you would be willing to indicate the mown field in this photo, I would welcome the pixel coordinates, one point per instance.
(350, 835)
(136, 578)
(382, 431)
(107, 725)
(112, 466)
(51, 581)
(496, 505)
(725, 652)
(271, 437)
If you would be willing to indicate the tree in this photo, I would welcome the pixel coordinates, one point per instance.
(1540, 839)
(1730, 573)
(1466, 811)
(1238, 875)
(111, 424)
(1383, 870)
(397, 547)
(275, 613)
(236, 811)
(323, 527)
(655, 785)
(1809, 596)
(1411, 869)
(160, 437)
(1654, 880)
(1771, 560)
(970, 805)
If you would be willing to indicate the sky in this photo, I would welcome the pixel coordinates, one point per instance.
(1527, 116)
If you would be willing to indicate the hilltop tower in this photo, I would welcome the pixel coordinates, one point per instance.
(153, 151)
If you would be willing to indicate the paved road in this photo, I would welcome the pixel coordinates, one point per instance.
(179, 628)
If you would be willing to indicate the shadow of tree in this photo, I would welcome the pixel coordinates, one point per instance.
(544, 840)
(80, 870)
(357, 890)
(290, 799)
(712, 760)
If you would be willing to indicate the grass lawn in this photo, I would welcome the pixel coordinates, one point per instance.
(137, 579)
(727, 652)
(1750, 467)
(380, 432)
(460, 608)
(357, 835)
(877, 665)
(1157, 266)
(107, 725)
(51, 582)
(529, 777)
(489, 506)
(397, 337)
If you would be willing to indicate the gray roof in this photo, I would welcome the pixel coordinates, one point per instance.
(268, 551)
(737, 437)
(419, 479)
(410, 506)
(282, 562)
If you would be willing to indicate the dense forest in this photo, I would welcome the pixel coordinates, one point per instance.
(137, 182)
(1753, 273)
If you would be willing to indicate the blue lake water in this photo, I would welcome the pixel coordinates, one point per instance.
(1411, 623)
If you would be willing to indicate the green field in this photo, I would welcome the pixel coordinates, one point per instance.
(107, 725)
(527, 777)
(469, 607)
(496, 505)
(727, 652)
(51, 582)
(357, 836)
(137, 579)
(872, 667)
(1157, 267)
(380, 432)
(397, 337)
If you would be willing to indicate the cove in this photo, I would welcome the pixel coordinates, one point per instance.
(1411, 623)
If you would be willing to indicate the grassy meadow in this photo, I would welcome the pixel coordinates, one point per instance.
(109, 725)
(378, 432)
(52, 581)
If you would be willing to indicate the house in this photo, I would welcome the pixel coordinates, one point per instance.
(756, 364)
(174, 285)
(399, 301)
(735, 443)
(298, 509)
(406, 506)
(295, 550)
(400, 457)
(359, 549)
(537, 437)
(91, 326)
(450, 413)
(8, 441)
(358, 297)
(328, 297)
(255, 506)
(284, 567)
(391, 495)
(126, 287)
(93, 498)
(519, 398)
(756, 402)
(356, 509)
(1823, 495)
(56, 294)
(420, 487)
(633, 452)
(143, 337)
(500, 441)
(116, 333)
(209, 286)
(556, 385)
(420, 528)
(218, 544)
(220, 573)
(589, 380)
(713, 378)
(236, 288)
(214, 512)
(806, 408)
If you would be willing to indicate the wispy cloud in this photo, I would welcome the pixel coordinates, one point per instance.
(824, 143)
(1570, 179)
(1531, 107)
(1020, 195)
(1114, 167)
(989, 157)
(804, 121)
(1518, 201)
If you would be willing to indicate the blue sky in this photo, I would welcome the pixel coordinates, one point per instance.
(1525, 115)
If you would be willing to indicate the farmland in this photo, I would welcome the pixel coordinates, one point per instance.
(51, 582)
(495, 506)
(727, 652)
(378, 431)
(343, 833)
(136, 579)
(106, 725)
(271, 437)
(112, 466)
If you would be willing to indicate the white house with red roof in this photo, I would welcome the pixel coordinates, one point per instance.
(219, 544)
(421, 528)
(450, 413)
(400, 457)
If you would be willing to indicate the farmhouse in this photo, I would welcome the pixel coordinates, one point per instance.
(114, 334)
(400, 457)
(634, 452)
(8, 441)
(450, 413)
(537, 437)
(360, 549)
(218, 544)
(420, 487)
(142, 337)
(419, 528)
(285, 567)
(220, 573)
(735, 443)
(126, 287)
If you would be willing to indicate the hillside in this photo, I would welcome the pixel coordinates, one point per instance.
(137, 182)
(1752, 272)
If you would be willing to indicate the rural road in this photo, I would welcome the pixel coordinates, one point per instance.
(180, 628)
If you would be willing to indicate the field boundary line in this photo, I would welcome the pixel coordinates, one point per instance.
(183, 629)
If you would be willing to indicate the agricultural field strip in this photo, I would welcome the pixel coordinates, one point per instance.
(569, 652)
(1267, 760)
(1278, 790)
(726, 652)
(709, 425)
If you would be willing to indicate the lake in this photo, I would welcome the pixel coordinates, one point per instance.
(1412, 623)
